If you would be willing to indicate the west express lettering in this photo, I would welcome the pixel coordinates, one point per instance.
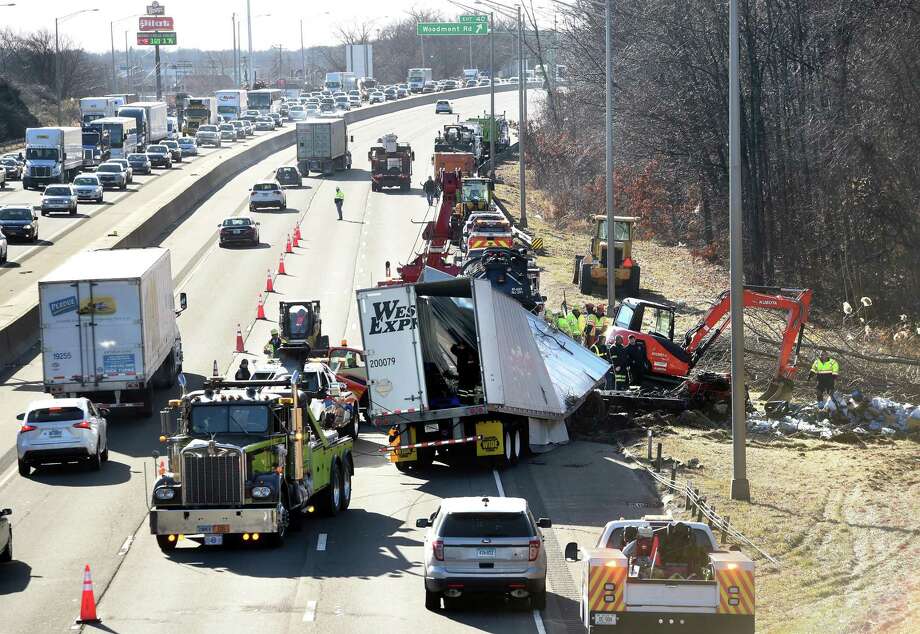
(392, 316)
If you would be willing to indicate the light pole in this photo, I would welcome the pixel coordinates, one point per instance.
(303, 62)
(112, 39)
(249, 78)
(608, 159)
(57, 58)
(236, 61)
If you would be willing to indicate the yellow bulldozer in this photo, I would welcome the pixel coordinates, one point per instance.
(591, 270)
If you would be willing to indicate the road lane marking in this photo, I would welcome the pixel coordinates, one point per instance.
(498, 483)
(538, 621)
(7, 477)
(321, 542)
(309, 615)
(126, 546)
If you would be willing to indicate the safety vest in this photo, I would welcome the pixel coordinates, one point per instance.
(574, 329)
(829, 367)
(582, 320)
(563, 323)
(339, 195)
(590, 323)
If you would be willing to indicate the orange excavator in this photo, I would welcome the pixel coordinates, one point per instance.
(670, 362)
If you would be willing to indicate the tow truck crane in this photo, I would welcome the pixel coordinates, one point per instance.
(652, 324)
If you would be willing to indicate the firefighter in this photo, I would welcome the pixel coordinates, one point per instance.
(339, 201)
(620, 361)
(431, 190)
(243, 374)
(635, 366)
(274, 344)
(826, 368)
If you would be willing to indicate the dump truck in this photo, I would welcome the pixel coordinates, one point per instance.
(199, 111)
(590, 272)
(656, 574)
(391, 164)
(456, 370)
(244, 461)
(465, 162)
(322, 146)
(108, 327)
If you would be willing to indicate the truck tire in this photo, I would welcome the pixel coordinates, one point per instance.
(432, 600)
(165, 544)
(508, 459)
(147, 408)
(403, 467)
(585, 285)
(346, 484)
(332, 496)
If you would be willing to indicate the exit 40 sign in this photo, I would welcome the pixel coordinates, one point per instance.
(162, 38)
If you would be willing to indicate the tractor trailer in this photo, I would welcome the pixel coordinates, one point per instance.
(322, 146)
(53, 155)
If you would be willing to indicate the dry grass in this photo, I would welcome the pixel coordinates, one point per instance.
(843, 522)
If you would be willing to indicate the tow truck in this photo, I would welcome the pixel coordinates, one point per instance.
(244, 461)
(655, 574)
(391, 164)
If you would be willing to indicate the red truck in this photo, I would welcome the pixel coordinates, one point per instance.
(391, 164)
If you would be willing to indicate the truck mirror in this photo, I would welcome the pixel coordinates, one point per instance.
(545, 522)
(20, 416)
(5, 512)
(105, 411)
(155, 454)
(422, 522)
(352, 138)
(183, 301)
(571, 552)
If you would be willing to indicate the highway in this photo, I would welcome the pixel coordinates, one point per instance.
(357, 572)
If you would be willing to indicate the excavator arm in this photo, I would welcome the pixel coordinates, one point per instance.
(795, 301)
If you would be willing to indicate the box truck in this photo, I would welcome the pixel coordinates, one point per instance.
(108, 327)
(53, 155)
(231, 104)
(340, 82)
(151, 120)
(457, 369)
(322, 146)
(124, 98)
(199, 111)
(417, 78)
(96, 108)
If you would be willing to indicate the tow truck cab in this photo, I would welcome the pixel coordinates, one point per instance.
(659, 575)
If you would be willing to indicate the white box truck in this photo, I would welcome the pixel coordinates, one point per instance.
(231, 104)
(151, 120)
(322, 146)
(417, 78)
(108, 327)
(457, 369)
(92, 108)
(53, 155)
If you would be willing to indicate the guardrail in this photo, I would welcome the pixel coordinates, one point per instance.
(20, 335)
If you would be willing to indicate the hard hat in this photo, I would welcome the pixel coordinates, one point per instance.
(274, 331)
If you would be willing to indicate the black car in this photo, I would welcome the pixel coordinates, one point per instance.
(237, 230)
(174, 150)
(159, 156)
(19, 221)
(289, 177)
(139, 162)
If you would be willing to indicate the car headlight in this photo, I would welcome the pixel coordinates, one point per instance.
(261, 492)
(27, 227)
(164, 493)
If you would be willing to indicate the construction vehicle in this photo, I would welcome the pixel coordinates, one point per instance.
(652, 324)
(499, 128)
(244, 461)
(457, 137)
(512, 271)
(457, 369)
(391, 164)
(591, 270)
(655, 574)
(301, 330)
(450, 162)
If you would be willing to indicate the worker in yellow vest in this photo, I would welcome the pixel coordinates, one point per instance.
(562, 323)
(826, 368)
(589, 332)
(603, 321)
(575, 325)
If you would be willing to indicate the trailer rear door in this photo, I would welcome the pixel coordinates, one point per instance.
(389, 325)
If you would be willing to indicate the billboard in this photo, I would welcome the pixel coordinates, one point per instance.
(158, 23)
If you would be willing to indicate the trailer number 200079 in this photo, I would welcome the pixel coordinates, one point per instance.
(382, 363)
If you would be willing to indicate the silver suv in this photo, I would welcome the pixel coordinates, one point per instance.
(484, 545)
(208, 135)
(62, 430)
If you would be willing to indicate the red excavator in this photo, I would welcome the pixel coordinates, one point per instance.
(652, 324)
(436, 235)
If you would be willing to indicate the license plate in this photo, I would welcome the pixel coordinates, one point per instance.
(483, 553)
(213, 540)
(431, 428)
(213, 528)
(54, 433)
(605, 619)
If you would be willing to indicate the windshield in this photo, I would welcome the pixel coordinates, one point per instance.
(208, 128)
(85, 180)
(475, 191)
(15, 214)
(237, 222)
(486, 525)
(157, 149)
(227, 128)
(41, 154)
(57, 191)
(227, 109)
(198, 112)
(109, 168)
(218, 419)
(260, 100)
(90, 138)
(116, 133)
(137, 157)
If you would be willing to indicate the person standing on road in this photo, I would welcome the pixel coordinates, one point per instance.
(431, 190)
(826, 368)
(636, 361)
(619, 358)
(339, 201)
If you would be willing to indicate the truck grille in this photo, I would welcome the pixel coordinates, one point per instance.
(41, 172)
(212, 477)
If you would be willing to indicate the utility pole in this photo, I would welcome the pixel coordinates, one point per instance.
(471, 52)
(608, 162)
(57, 72)
(249, 59)
(494, 128)
(741, 488)
(303, 63)
(522, 120)
(236, 64)
(127, 66)
(421, 38)
(156, 65)
(112, 40)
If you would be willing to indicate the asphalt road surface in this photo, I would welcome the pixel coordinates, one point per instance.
(358, 572)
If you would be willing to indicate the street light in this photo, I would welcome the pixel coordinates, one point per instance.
(112, 39)
(57, 57)
(249, 19)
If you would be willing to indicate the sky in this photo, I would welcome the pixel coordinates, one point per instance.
(206, 24)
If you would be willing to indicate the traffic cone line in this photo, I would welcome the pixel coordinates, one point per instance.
(296, 241)
(88, 600)
(240, 347)
(260, 312)
(287, 245)
(269, 283)
(281, 270)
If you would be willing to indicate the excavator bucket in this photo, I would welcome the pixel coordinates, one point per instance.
(780, 389)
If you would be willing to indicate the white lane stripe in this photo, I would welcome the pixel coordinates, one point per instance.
(309, 615)
(538, 621)
(126, 546)
(321, 542)
(8, 476)
(498, 483)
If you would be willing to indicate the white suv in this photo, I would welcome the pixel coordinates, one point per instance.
(484, 545)
(62, 430)
(267, 194)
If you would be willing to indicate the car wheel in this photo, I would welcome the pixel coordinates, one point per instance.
(95, 463)
(25, 469)
(538, 600)
(7, 554)
(124, 186)
(432, 600)
(165, 544)
(105, 452)
(73, 211)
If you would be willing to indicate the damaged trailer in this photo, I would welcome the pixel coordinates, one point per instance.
(457, 369)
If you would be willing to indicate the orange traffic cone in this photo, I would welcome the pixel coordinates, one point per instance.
(88, 601)
(260, 313)
(287, 245)
(296, 241)
(297, 234)
(281, 270)
(269, 284)
(214, 368)
(239, 340)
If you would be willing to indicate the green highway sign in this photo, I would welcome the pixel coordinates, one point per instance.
(475, 18)
(452, 28)
(158, 38)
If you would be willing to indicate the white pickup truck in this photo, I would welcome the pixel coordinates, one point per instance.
(656, 574)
